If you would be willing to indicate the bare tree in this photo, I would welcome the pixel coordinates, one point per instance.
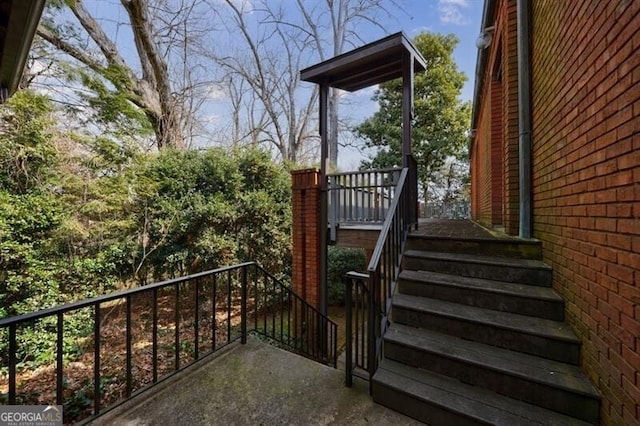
(262, 82)
(344, 16)
(161, 30)
(278, 42)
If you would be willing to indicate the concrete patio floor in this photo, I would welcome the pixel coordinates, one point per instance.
(255, 384)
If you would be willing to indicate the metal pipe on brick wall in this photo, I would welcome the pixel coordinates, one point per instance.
(524, 118)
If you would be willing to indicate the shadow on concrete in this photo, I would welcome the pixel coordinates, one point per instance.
(255, 384)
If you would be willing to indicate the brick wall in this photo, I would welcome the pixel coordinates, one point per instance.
(511, 131)
(481, 167)
(495, 179)
(305, 185)
(487, 147)
(586, 183)
(497, 143)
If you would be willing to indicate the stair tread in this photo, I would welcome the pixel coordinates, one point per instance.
(506, 239)
(479, 259)
(541, 370)
(505, 320)
(492, 286)
(471, 401)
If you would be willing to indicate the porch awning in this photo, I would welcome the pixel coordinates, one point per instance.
(375, 63)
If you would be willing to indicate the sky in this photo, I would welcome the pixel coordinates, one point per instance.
(460, 17)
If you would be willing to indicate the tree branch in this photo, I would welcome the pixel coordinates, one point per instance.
(79, 55)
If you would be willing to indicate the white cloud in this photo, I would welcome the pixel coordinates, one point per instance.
(215, 92)
(246, 6)
(453, 11)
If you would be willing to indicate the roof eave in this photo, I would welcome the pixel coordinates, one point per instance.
(23, 23)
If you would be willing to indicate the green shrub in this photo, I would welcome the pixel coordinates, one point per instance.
(341, 260)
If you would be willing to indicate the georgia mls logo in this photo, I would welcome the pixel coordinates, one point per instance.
(53, 410)
(31, 415)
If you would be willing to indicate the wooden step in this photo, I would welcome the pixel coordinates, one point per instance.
(439, 400)
(521, 299)
(522, 271)
(536, 336)
(549, 384)
(497, 246)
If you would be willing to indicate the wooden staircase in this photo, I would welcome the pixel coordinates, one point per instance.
(477, 337)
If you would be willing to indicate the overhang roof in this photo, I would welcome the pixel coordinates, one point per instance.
(18, 23)
(366, 66)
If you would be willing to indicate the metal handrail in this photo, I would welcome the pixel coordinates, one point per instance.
(371, 306)
(205, 306)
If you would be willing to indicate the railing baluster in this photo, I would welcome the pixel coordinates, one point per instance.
(288, 293)
(357, 318)
(281, 303)
(348, 335)
(96, 359)
(128, 344)
(228, 306)
(273, 311)
(266, 302)
(154, 337)
(59, 358)
(370, 188)
(214, 311)
(351, 197)
(177, 328)
(243, 307)
(12, 364)
(334, 349)
(297, 321)
(196, 326)
(256, 301)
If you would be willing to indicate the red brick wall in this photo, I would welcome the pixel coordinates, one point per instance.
(510, 108)
(586, 183)
(497, 152)
(481, 167)
(305, 185)
(495, 146)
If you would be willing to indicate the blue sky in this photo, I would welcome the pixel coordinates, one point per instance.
(460, 17)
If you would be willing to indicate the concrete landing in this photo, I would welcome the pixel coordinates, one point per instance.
(461, 228)
(255, 384)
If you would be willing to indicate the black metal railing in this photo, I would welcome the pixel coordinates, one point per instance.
(362, 197)
(141, 336)
(368, 296)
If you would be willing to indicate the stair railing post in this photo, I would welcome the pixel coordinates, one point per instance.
(349, 331)
(243, 307)
(374, 278)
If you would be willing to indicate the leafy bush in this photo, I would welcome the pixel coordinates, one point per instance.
(340, 261)
(82, 215)
(198, 210)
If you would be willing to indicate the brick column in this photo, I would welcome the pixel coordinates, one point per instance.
(305, 185)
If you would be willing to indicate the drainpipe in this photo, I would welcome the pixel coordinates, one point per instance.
(524, 118)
